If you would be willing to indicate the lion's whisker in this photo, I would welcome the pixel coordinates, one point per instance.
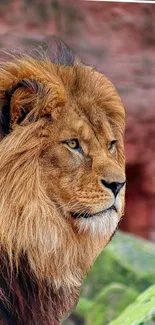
(65, 204)
(75, 204)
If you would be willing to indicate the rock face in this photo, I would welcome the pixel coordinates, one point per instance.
(119, 40)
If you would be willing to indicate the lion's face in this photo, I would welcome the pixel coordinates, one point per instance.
(62, 171)
(83, 166)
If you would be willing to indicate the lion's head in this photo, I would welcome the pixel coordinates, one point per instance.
(62, 167)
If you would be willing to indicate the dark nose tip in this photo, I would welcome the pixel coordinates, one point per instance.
(115, 187)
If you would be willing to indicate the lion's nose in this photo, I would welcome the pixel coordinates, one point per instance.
(115, 187)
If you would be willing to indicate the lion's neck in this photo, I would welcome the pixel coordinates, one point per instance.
(24, 301)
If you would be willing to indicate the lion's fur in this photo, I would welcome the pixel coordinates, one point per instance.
(39, 183)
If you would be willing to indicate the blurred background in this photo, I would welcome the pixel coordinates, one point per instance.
(119, 40)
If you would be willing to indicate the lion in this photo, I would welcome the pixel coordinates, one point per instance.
(62, 182)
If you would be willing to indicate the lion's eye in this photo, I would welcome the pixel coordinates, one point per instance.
(73, 144)
(112, 145)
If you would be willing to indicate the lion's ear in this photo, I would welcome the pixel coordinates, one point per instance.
(17, 103)
(29, 100)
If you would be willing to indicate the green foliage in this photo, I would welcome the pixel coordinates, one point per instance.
(141, 312)
(124, 269)
(127, 260)
(106, 305)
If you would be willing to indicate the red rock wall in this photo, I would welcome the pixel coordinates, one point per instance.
(119, 39)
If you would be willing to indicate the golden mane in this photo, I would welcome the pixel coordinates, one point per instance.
(39, 99)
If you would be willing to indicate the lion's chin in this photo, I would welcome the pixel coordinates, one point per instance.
(103, 223)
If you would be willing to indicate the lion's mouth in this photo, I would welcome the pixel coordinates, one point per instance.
(87, 214)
